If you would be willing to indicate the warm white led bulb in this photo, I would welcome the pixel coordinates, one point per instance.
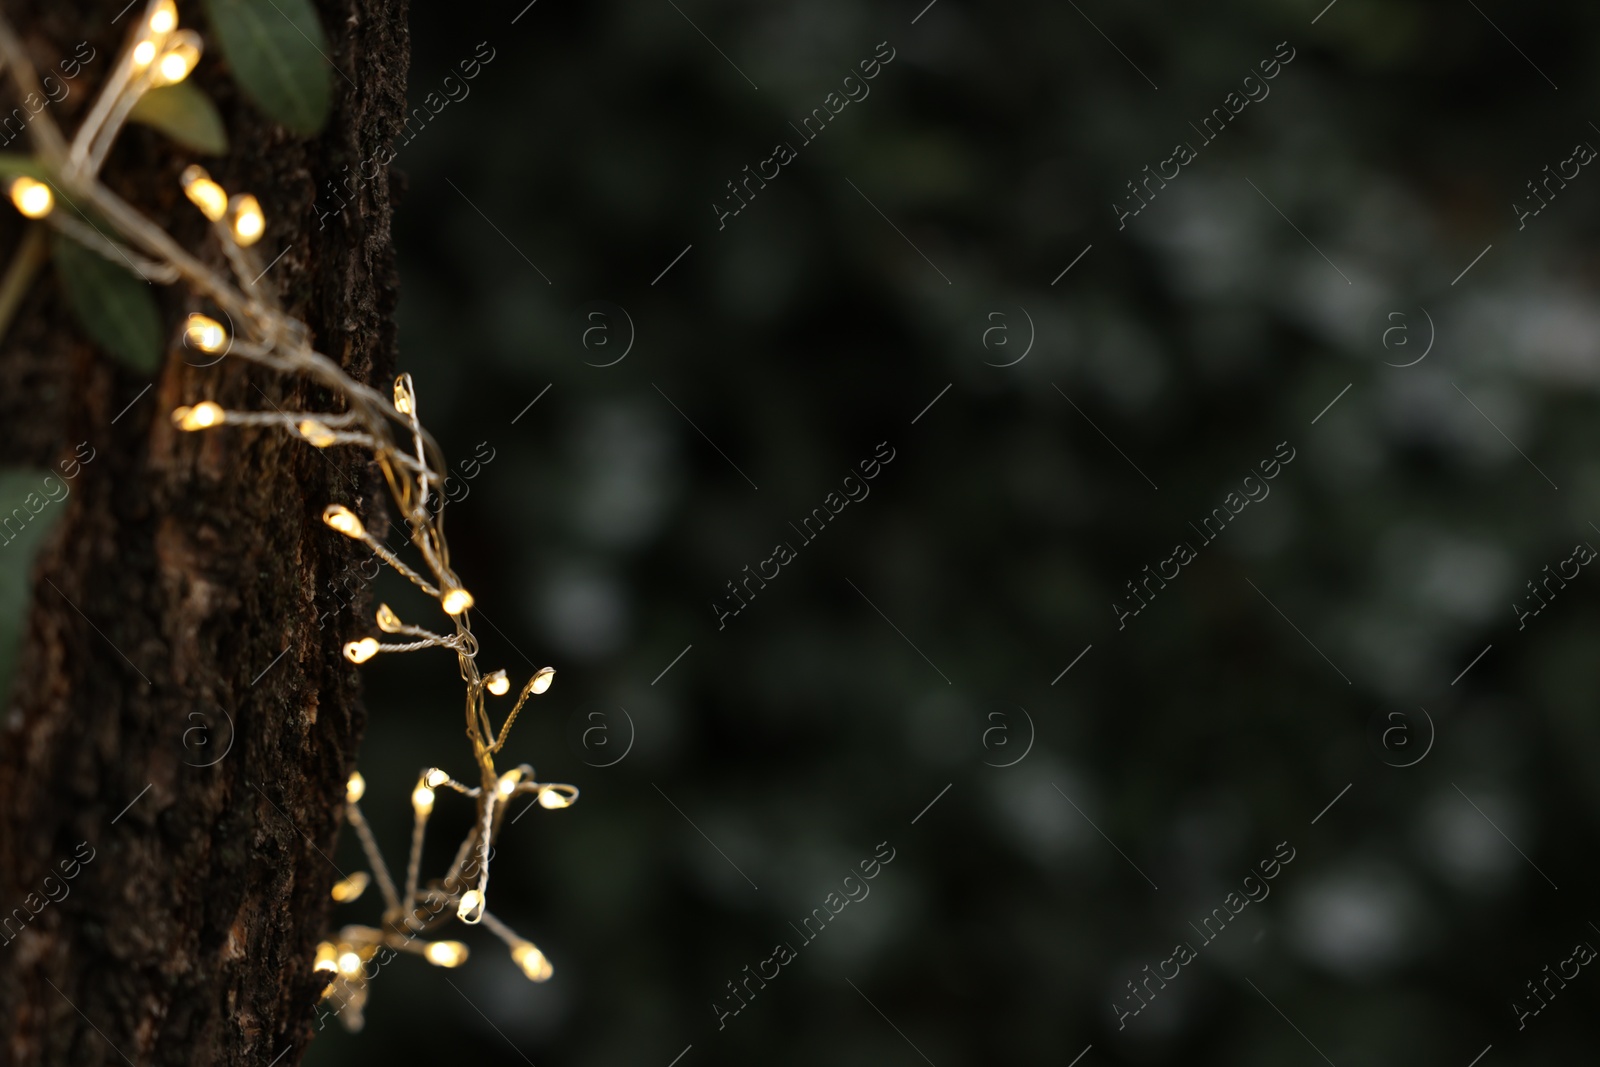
(434, 777)
(164, 19)
(205, 333)
(248, 222)
(175, 66)
(350, 888)
(327, 958)
(361, 651)
(446, 953)
(315, 432)
(344, 520)
(455, 601)
(355, 788)
(202, 415)
(551, 798)
(534, 964)
(204, 193)
(32, 198)
(388, 621)
(470, 910)
(497, 683)
(542, 680)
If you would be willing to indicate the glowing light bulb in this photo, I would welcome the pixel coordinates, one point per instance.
(349, 963)
(205, 333)
(361, 651)
(550, 798)
(470, 910)
(181, 56)
(542, 680)
(32, 198)
(388, 621)
(355, 788)
(204, 193)
(144, 53)
(173, 68)
(404, 403)
(455, 601)
(315, 432)
(344, 520)
(446, 953)
(199, 417)
(509, 780)
(248, 221)
(164, 19)
(327, 957)
(422, 800)
(351, 888)
(534, 964)
(434, 777)
(498, 684)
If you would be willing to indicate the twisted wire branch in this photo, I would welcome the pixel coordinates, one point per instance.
(406, 454)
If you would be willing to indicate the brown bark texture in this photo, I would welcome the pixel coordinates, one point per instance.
(182, 723)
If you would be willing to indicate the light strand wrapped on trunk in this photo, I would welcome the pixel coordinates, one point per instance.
(160, 53)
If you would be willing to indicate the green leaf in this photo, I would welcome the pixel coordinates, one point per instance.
(15, 165)
(115, 307)
(28, 510)
(279, 56)
(184, 113)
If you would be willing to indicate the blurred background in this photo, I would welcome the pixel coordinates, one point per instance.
(1363, 637)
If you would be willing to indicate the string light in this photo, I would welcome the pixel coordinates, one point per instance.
(248, 221)
(350, 888)
(259, 330)
(470, 910)
(318, 434)
(532, 961)
(551, 798)
(200, 417)
(164, 19)
(446, 953)
(32, 198)
(204, 193)
(205, 333)
(181, 56)
(344, 520)
(327, 958)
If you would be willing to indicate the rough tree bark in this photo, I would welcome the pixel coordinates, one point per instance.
(181, 592)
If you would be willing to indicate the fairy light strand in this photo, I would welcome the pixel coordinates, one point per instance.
(162, 53)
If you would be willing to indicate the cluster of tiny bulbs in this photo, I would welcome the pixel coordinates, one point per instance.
(160, 53)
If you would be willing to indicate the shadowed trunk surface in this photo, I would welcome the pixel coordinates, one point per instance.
(182, 722)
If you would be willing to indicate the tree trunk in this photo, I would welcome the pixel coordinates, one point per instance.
(181, 723)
